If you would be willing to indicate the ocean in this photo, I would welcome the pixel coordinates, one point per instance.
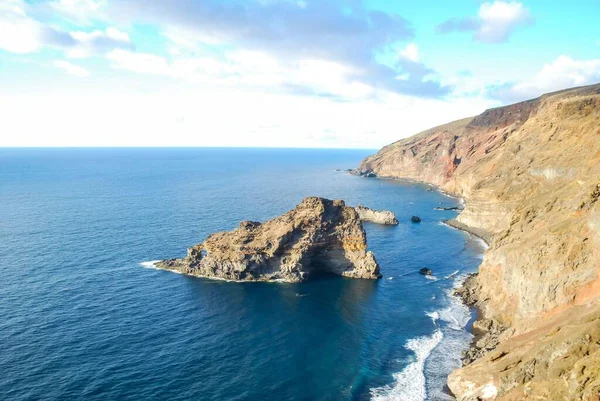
(84, 316)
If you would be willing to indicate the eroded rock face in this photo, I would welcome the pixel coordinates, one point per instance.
(558, 361)
(376, 216)
(530, 173)
(318, 236)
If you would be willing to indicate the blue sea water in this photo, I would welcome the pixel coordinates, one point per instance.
(82, 319)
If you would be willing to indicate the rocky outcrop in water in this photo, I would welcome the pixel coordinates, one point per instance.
(530, 174)
(318, 236)
(425, 271)
(376, 216)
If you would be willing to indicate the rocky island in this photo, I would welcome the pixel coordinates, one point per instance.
(384, 217)
(530, 175)
(318, 236)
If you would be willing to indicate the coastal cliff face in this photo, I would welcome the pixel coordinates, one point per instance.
(318, 236)
(530, 174)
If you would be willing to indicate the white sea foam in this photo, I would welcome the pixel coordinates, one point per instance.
(447, 355)
(432, 278)
(409, 384)
(456, 314)
(435, 356)
(453, 274)
(481, 243)
(434, 316)
(151, 264)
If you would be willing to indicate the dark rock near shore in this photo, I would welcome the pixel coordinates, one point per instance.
(468, 290)
(487, 337)
(415, 219)
(360, 173)
(425, 271)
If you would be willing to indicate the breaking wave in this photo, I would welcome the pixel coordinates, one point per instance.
(151, 264)
(435, 355)
(410, 383)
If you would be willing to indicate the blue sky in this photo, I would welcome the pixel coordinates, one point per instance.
(290, 73)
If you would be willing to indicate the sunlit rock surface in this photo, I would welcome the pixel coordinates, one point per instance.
(318, 236)
(530, 175)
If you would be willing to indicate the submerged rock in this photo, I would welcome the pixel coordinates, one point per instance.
(415, 219)
(376, 216)
(318, 236)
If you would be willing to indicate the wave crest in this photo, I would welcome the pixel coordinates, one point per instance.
(409, 383)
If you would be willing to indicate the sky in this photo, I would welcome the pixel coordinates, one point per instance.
(278, 73)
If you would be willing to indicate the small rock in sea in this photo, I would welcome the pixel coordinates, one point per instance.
(370, 175)
(415, 219)
(425, 271)
(376, 216)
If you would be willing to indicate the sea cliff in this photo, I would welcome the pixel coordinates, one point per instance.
(530, 175)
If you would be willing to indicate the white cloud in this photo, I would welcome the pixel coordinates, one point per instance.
(410, 52)
(286, 31)
(494, 23)
(79, 10)
(71, 69)
(18, 32)
(562, 73)
(186, 116)
(186, 38)
(499, 19)
(142, 63)
(97, 42)
(247, 69)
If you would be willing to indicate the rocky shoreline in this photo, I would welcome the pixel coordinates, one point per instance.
(529, 173)
(486, 332)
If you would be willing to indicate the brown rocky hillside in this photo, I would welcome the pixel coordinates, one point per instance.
(530, 175)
